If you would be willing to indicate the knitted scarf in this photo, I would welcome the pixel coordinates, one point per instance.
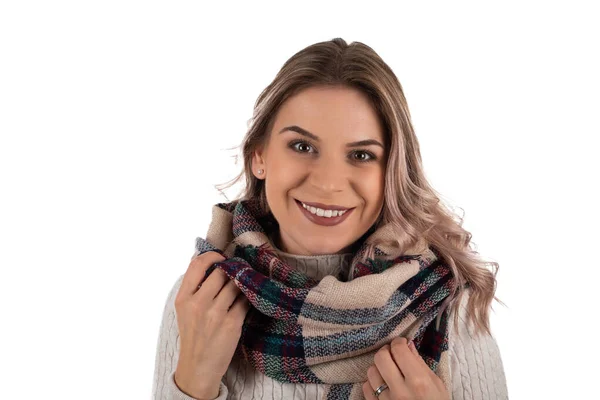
(302, 330)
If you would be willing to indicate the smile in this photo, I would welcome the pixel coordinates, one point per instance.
(323, 217)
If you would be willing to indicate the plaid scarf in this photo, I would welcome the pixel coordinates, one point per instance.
(302, 330)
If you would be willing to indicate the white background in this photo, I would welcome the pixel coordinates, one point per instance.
(116, 117)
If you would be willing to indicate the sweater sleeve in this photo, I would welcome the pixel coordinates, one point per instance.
(476, 367)
(167, 355)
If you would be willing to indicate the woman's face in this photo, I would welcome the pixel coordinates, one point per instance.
(312, 157)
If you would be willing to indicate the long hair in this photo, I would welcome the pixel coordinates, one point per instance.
(411, 205)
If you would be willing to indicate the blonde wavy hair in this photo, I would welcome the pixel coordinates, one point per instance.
(411, 205)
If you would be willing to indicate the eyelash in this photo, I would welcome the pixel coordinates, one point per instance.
(372, 156)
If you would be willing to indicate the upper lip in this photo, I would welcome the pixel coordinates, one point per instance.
(325, 206)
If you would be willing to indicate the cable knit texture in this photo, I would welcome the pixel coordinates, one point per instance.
(476, 367)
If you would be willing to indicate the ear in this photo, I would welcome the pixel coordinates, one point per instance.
(258, 162)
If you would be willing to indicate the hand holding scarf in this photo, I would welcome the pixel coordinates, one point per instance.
(400, 366)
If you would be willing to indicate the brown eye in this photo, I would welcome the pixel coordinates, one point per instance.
(366, 156)
(299, 146)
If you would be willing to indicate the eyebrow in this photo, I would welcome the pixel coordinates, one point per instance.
(304, 132)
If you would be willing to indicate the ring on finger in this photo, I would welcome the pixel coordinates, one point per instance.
(380, 389)
(376, 381)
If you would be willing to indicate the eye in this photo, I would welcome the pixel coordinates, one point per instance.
(301, 146)
(368, 156)
(302, 143)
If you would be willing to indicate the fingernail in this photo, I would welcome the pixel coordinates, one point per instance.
(411, 344)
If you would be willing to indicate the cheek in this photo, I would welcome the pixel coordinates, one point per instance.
(284, 172)
(288, 169)
(371, 187)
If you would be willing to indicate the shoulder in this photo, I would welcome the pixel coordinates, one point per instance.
(169, 313)
(476, 367)
(169, 308)
(169, 332)
(175, 287)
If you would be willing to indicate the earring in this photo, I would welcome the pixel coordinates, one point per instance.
(260, 171)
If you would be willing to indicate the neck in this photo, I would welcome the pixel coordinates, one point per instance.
(276, 240)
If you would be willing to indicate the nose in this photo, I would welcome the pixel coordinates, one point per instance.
(328, 175)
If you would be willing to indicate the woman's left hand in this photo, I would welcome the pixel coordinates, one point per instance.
(408, 377)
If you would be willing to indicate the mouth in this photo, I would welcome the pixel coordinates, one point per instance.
(323, 220)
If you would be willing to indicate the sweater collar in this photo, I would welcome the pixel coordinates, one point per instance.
(317, 266)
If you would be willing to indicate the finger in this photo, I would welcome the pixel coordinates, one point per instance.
(413, 348)
(196, 271)
(411, 365)
(368, 391)
(389, 371)
(212, 286)
(376, 380)
(436, 379)
(240, 306)
(227, 295)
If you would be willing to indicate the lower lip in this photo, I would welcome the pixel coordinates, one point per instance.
(323, 220)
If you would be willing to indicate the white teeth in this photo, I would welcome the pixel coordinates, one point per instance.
(324, 213)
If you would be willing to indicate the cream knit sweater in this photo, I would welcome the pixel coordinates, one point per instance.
(475, 364)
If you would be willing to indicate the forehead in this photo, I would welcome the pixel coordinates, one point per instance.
(331, 111)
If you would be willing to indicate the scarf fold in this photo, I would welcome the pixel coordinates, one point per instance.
(303, 330)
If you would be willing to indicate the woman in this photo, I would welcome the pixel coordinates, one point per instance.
(337, 274)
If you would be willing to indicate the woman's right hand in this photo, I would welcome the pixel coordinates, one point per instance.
(210, 321)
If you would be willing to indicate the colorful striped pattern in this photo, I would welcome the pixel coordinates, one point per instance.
(303, 330)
